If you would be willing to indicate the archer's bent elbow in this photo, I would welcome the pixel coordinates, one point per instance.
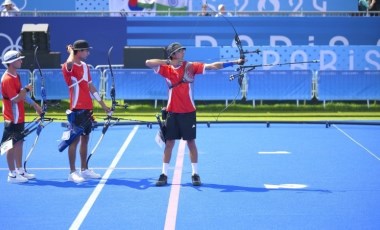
(148, 63)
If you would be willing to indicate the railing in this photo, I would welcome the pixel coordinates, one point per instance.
(195, 13)
(144, 84)
(348, 85)
(280, 85)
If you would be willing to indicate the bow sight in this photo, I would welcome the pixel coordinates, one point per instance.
(245, 69)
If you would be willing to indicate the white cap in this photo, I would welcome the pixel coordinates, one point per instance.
(7, 2)
(11, 56)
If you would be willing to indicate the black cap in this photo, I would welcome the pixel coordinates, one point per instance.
(81, 45)
(174, 47)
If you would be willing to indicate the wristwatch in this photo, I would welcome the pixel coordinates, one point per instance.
(168, 61)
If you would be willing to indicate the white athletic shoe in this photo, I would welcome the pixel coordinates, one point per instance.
(27, 175)
(75, 177)
(16, 178)
(90, 174)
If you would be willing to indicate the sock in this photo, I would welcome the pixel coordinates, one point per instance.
(165, 167)
(194, 167)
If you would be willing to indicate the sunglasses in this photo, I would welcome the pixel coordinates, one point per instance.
(14, 56)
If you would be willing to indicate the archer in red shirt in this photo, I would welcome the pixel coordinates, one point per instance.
(181, 118)
(78, 79)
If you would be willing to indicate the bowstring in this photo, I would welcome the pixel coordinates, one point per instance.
(242, 73)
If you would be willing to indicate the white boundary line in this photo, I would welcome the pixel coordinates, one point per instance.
(91, 200)
(352, 139)
(273, 152)
(97, 168)
(171, 213)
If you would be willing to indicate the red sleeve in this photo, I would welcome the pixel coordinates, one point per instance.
(10, 87)
(198, 67)
(66, 74)
(163, 70)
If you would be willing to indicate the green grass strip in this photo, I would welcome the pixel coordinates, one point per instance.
(239, 111)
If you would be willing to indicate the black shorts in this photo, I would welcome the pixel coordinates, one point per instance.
(181, 125)
(13, 131)
(84, 119)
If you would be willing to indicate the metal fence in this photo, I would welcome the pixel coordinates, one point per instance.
(144, 84)
(195, 13)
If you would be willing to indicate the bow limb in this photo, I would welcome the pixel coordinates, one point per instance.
(113, 91)
(109, 117)
(237, 42)
(39, 124)
(43, 90)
